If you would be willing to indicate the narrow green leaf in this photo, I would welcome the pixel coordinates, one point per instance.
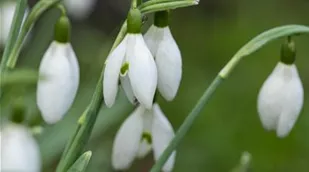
(15, 28)
(34, 15)
(81, 163)
(261, 40)
(19, 77)
(166, 6)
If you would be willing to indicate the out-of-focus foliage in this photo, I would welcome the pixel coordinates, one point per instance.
(208, 35)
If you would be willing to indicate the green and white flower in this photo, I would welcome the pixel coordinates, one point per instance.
(144, 130)
(167, 55)
(59, 71)
(132, 63)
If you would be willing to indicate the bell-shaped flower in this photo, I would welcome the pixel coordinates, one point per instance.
(59, 72)
(79, 9)
(144, 130)
(7, 9)
(281, 99)
(167, 55)
(19, 150)
(132, 64)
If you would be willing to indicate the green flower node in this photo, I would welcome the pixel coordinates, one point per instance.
(288, 52)
(134, 21)
(161, 19)
(18, 112)
(63, 30)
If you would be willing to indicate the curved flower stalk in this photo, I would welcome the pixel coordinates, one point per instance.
(167, 55)
(79, 9)
(7, 9)
(144, 130)
(281, 97)
(59, 71)
(19, 150)
(132, 63)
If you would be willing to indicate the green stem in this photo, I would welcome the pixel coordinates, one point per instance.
(188, 122)
(249, 48)
(35, 13)
(86, 122)
(154, 7)
(14, 32)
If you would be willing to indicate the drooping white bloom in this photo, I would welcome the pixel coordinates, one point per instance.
(58, 86)
(281, 99)
(168, 60)
(144, 130)
(79, 9)
(7, 9)
(133, 62)
(19, 150)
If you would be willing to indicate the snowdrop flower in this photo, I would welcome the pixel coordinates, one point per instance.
(167, 55)
(19, 150)
(59, 69)
(144, 130)
(281, 97)
(79, 9)
(132, 63)
(7, 9)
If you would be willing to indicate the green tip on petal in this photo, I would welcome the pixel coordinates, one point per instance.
(288, 52)
(147, 136)
(161, 19)
(18, 111)
(134, 21)
(63, 29)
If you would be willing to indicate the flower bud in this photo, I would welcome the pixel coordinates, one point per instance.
(57, 90)
(19, 150)
(62, 30)
(288, 52)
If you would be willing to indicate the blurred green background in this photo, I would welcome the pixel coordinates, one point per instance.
(208, 36)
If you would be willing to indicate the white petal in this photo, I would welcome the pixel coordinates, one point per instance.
(57, 90)
(146, 145)
(79, 9)
(127, 140)
(19, 150)
(162, 134)
(142, 71)
(126, 85)
(111, 73)
(169, 65)
(280, 99)
(293, 100)
(152, 38)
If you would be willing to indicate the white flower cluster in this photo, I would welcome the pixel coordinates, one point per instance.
(142, 65)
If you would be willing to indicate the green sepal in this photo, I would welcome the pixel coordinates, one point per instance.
(288, 52)
(161, 19)
(18, 111)
(134, 21)
(62, 30)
